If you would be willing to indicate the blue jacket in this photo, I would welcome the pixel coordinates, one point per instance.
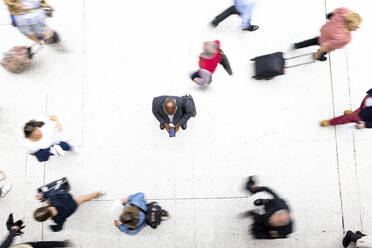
(245, 9)
(137, 200)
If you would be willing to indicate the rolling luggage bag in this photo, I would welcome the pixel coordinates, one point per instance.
(18, 58)
(272, 65)
(61, 184)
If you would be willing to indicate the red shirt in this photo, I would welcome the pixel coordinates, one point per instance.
(210, 64)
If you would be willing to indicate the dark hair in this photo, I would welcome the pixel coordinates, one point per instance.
(42, 214)
(31, 126)
(130, 216)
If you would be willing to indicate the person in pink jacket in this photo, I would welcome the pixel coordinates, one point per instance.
(335, 34)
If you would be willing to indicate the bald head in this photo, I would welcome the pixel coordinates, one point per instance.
(170, 106)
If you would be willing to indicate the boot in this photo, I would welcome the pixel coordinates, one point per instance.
(348, 112)
(325, 123)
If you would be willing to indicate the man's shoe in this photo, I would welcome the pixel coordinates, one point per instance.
(260, 202)
(322, 58)
(347, 239)
(325, 123)
(184, 126)
(348, 112)
(162, 126)
(214, 23)
(252, 28)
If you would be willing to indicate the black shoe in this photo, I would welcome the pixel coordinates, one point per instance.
(347, 239)
(322, 58)
(214, 23)
(360, 233)
(250, 183)
(260, 202)
(251, 28)
(162, 126)
(184, 126)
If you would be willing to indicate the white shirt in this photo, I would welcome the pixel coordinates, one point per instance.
(368, 102)
(171, 118)
(50, 136)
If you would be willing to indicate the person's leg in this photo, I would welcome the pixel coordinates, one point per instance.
(230, 11)
(307, 43)
(82, 199)
(205, 78)
(343, 119)
(65, 146)
(49, 244)
(43, 155)
(195, 75)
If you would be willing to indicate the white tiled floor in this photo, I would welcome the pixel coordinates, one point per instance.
(115, 57)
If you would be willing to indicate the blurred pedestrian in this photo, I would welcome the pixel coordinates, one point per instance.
(61, 205)
(29, 17)
(244, 9)
(209, 59)
(276, 222)
(361, 240)
(173, 110)
(362, 116)
(5, 185)
(15, 230)
(335, 34)
(44, 138)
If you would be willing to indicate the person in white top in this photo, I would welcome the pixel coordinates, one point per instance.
(243, 8)
(29, 17)
(44, 138)
(5, 186)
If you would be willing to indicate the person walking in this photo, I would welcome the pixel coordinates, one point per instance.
(29, 17)
(276, 222)
(209, 59)
(335, 34)
(5, 185)
(361, 240)
(362, 116)
(44, 138)
(244, 9)
(15, 230)
(133, 218)
(173, 110)
(61, 205)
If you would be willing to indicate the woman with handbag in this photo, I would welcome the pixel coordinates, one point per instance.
(29, 17)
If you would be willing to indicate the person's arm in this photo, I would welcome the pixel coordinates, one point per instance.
(9, 240)
(56, 120)
(264, 189)
(156, 112)
(188, 114)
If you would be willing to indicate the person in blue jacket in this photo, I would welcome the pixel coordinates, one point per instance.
(244, 9)
(133, 218)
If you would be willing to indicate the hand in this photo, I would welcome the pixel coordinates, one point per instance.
(167, 126)
(124, 200)
(316, 55)
(53, 118)
(39, 196)
(177, 127)
(361, 125)
(116, 223)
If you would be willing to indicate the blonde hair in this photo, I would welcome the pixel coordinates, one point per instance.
(353, 19)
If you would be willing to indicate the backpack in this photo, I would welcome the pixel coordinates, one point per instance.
(154, 214)
(188, 98)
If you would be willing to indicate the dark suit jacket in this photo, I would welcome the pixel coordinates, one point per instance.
(182, 114)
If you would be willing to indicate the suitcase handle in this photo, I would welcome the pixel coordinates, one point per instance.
(298, 56)
(300, 64)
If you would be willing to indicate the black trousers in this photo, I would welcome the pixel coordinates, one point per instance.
(307, 43)
(230, 11)
(47, 244)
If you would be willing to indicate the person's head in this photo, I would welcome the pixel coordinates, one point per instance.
(170, 106)
(353, 21)
(130, 216)
(43, 213)
(31, 129)
(210, 47)
(280, 218)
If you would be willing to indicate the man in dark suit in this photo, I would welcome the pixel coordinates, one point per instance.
(173, 110)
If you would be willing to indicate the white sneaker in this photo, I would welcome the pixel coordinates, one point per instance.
(5, 189)
(59, 150)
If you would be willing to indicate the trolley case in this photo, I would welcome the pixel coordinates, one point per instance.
(61, 184)
(272, 65)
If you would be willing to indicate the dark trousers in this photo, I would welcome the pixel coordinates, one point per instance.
(230, 11)
(307, 43)
(43, 154)
(47, 244)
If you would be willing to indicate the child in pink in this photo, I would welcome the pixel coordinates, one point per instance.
(335, 34)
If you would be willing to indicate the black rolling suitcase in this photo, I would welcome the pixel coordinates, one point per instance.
(61, 184)
(272, 65)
